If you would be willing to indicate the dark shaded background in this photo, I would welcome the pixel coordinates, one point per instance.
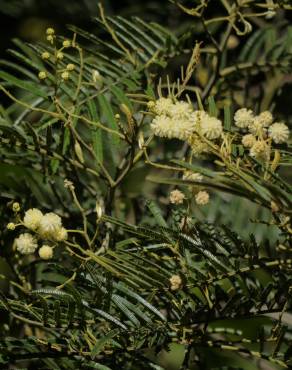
(28, 19)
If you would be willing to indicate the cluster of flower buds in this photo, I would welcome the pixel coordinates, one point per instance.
(56, 57)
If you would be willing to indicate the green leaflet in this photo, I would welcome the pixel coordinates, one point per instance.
(99, 345)
(108, 115)
(96, 132)
(33, 88)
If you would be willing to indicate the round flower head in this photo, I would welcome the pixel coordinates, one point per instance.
(266, 118)
(60, 55)
(11, 226)
(192, 176)
(42, 75)
(46, 252)
(164, 126)
(163, 106)
(160, 126)
(211, 127)
(248, 140)
(45, 55)
(70, 67)
(50, 224)
(180, 109)
(202, 198)
(176, 197)
(259, 150)
(32, 218)
(50, 38)
(175, 282)
(61, 235)
(16, 207)
(26, 243)
(243, 117)
(50, 31)
(65, 75)
(66, 43)
(183, 129)
(279, 132)
(260, 122)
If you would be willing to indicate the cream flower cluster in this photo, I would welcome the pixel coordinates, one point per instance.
(179, 120)
(46, 226)
(262, 131)
(260, 126)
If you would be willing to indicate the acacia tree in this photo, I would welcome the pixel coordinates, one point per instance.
(132, 161)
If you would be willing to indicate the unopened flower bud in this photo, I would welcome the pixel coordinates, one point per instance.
(50, 31)
(66, 43)
(16, 207)
(141, 141)
(50, 38)
(42, 75)
(60, 55)
(45, 55)
(70, 67)
(65, 75)
(46, 252)
(96, 76)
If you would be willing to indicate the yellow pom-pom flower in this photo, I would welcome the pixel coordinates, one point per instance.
(176, 197)
(50, 224)
(32, 218)
(46, 252)
(202, 198)
(26, 243)
(279, 132)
